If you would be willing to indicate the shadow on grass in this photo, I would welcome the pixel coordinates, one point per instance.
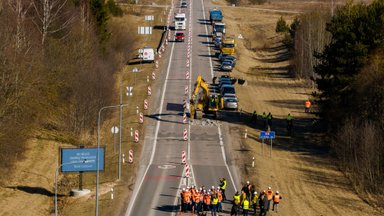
(34, 190)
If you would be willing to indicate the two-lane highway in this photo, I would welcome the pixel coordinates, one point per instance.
(161, 174)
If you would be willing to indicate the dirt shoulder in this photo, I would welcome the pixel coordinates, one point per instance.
(301, 167)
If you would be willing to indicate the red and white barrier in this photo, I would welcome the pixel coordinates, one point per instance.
(187, 75)
(184, 118)
(141, 118)
(145, 104)
(187, 170)
(184, 104)
(166, 41)
(185, 135)
(149, 91)
(187, 62)
(130, 159)
(183, 157)
(159, 54)
(157, 64)
(153, 75)
(186, 90)
(137, 136)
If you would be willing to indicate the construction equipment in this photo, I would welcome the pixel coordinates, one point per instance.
(205, 101)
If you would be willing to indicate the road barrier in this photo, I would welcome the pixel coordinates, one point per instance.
(141, 118)
(185, 135)
(137, 136)
(130, 159)
(184, 104)
(157, 64)
(145, 104)
(186, 90)
(149, 91)
(153, 75)
(183, 157)
(187, 75)
(184, 118)
(187, 170)
(187, 62)
(123, 155)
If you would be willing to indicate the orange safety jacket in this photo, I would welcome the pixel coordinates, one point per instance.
(187, 197)
(269, 194)
(219, 196)
(201, 197)
(276, 198)
(307, 104)
(196, 197)
(207, 199)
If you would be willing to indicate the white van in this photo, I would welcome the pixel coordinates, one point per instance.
(180, 21)
(147, 54)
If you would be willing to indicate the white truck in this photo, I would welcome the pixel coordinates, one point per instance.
(180, 21)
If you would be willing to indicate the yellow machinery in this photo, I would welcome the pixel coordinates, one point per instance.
(228, 46)
(203, 101)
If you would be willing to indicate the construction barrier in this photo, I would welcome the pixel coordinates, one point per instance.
(157, 64)
(183, 157)
(141, 118)
(185, 135)
(184, 118)
(145, 104)
(149, 91)
(153, 75)
(130, 159)
(187, 170)
(137, 136)
(187, 75)
(186, 90)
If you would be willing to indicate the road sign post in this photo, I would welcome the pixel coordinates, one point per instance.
(267, 135)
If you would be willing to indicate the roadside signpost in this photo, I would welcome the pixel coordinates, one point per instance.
(267, 135)
(70, 158)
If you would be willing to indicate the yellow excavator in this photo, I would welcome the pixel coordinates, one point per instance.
(204, 101)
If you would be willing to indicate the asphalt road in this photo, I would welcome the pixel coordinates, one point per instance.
(161, 175)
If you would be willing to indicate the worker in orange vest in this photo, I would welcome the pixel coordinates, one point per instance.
(220, 197)
(182, 200)
(187, 199)
(207, 201)
(269, 194)
(307, 105)
(276, 199)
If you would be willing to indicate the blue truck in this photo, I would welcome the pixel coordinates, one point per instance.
(215, 15)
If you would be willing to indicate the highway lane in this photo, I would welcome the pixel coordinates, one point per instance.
(161, 176)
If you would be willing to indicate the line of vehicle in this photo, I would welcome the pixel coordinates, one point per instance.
(134, 196)
(218, 127)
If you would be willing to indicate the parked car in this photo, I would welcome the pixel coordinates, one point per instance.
(226, 66)
(179, 36)
(227, 90)
(231, 102)
(230, 58)
(184, 5)
(217, 42)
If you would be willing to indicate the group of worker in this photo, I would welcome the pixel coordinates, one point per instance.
(202, 200)
(250, 198)
(267, 118)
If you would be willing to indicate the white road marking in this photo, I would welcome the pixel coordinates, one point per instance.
(218, 127)
(134, 196)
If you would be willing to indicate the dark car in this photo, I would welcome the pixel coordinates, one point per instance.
(226, 66)
(184, 5)
(230, 58)
(179, 37)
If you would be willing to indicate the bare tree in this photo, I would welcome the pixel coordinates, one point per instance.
(49, 13)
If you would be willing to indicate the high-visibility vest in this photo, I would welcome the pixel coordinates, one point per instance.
(207, 199)
(307, 104)
(236, 199)
(276, 198)
(201, 197)
(219, 196)
(196, 197)
(215, 201)
(246, 205)
(269, 194)
(289, 118)
(223, 185)
(254, 199)
(187, 197)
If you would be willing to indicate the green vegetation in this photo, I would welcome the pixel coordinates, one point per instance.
(54, 77)
(346, 64)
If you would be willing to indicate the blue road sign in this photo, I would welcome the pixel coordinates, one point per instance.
(81, 159)
(267, 135)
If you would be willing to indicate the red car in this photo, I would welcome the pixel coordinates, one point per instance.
(179, 37)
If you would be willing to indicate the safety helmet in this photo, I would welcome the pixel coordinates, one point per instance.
(269, 188)
(255, 192)
(277, 192)
(247, 182)
(213, 187)
(183, 189)
(218, 187)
